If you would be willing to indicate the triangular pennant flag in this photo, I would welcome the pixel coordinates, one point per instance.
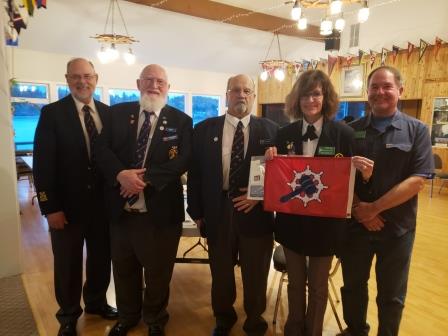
(360, 56)
(348, 60)
(298, 66)
(306, 64)
(331, 63)
(29, 4)
(410, 49)
(372, 58)
(341, 60)
(395, 51)
(18, 23)
(383, 56)
(314, 63)
(437, 46)
(423, 47)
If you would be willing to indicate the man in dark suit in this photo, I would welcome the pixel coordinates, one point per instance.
(143, 151)
(237, 228)
(70, 193)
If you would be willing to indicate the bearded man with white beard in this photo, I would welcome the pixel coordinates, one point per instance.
(236, 227)
(143, 151)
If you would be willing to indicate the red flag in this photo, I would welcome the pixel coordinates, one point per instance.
(331, 63)
(372, 58)
(348, 60)
(311, 186)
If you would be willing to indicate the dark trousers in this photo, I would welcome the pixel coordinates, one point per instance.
(393, 257)
(306, 319)
(67, 245)
(137, 245)
(254, 255)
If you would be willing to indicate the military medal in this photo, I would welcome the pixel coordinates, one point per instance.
(172, 153)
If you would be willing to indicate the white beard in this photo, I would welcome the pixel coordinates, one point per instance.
(151, 104)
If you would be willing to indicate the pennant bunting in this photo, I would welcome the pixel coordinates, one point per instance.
(395, 51)
(331, 63)
(437, 46)
(314, 64)
(360, 56)
(372, 58)
(310, 186)
(383, 56)
(306, 64)
(348, 61)
(29, 4)
(423, 46)
(341, 60)
(410, 50)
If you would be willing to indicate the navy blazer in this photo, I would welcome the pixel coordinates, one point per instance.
(205, 180)
(307, 235)
(167, 159)
(63, 176)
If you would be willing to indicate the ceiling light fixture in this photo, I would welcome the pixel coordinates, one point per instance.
(109, 39)
(333, 13)
(275, 67)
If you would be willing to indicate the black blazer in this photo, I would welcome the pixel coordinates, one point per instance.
(306, 235)
(64, 179)
(205, 194)
(167, 159)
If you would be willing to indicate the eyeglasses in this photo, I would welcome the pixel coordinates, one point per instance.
(79, 77)
(315, 95)
(152, 80)
(245, 92)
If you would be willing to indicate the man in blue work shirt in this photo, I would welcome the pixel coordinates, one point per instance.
(385, 212)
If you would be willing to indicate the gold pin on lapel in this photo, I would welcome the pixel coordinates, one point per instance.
(172, 153)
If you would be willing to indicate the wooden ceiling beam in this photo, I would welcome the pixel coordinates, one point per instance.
(219, 12)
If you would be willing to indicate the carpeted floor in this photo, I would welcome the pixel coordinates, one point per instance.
(16, 318)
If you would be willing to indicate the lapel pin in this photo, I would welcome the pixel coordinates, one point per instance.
(215, 139)
(162, 128)
(164, 122)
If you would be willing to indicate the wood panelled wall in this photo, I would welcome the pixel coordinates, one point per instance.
(423, 80)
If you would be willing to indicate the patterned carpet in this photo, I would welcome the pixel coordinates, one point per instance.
(16, 318)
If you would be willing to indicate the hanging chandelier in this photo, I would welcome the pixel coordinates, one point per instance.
(333, 17)
(109, 39)
(275, 67)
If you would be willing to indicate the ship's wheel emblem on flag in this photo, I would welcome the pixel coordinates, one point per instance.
(306, 186)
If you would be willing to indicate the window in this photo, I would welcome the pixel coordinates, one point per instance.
(64, 91)
(354, 109)
(204, 107)
(123, 95)
(27, 100)
(177, 100)
(354, 35)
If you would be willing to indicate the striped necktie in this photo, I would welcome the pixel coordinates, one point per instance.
(142, 142)
(236, 160)
(91, 129)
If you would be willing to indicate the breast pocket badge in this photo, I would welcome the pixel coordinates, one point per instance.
(172, 153)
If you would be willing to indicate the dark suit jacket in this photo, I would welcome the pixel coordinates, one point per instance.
(64, 179)
(205, 176)
(306, 235)
(167, 159)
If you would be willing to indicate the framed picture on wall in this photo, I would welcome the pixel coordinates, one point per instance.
(352, 81)
(439, 129)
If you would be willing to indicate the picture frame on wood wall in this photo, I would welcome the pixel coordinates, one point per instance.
(352, 81)
(439, 127)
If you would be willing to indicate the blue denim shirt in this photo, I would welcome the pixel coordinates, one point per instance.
(402, 150)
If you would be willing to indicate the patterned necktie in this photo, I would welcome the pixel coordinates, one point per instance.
(92, 132)
(236, 160)
(310, 133)
(142, 142)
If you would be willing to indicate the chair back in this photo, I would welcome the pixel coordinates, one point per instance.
(279, 259)
(437, 161)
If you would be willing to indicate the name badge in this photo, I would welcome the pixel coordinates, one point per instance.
(173, 137)
(326, 151)
(360, 134)
(171, 130)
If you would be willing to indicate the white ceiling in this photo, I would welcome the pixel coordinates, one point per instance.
(183, 41)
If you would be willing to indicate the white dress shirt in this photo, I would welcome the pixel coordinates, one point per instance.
(309, 146)
(230, 124)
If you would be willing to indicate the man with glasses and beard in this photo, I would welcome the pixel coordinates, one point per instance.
(70, 194)
(237, 228)
(143, 151)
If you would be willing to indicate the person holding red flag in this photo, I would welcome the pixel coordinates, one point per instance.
(310, 242)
